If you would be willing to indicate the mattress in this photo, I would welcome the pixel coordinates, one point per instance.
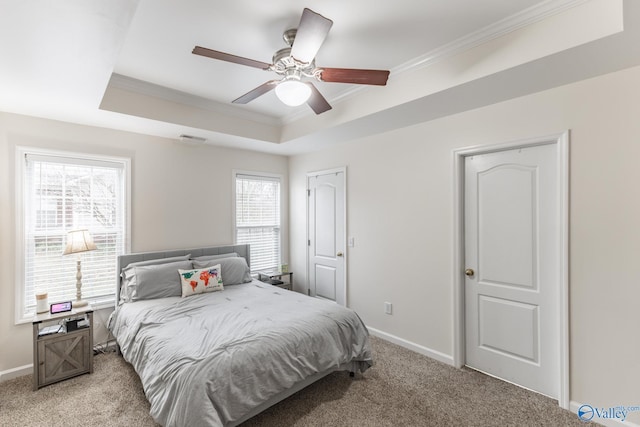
(211, 359)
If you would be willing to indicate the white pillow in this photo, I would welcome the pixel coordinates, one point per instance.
(201, 280)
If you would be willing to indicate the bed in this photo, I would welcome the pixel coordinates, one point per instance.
(217, 358)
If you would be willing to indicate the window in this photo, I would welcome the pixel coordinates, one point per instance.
(59, 192)
(257, 218)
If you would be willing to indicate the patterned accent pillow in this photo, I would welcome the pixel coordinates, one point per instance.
(203, 280)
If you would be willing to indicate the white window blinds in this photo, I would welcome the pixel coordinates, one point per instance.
(61, 194)
(258, 219)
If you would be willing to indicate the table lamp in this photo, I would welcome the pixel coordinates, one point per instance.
(79, 241)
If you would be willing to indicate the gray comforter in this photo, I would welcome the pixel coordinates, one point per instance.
(210, 359)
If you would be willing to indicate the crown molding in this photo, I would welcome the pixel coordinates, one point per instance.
(500, 28)
(493, 31)
(119, 81)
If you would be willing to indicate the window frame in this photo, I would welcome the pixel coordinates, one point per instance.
(257, 174)
(20, 199)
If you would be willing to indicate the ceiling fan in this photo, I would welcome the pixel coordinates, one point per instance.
(297, 62)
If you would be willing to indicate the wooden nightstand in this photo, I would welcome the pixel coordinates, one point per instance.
(268, 276)
(65, 354)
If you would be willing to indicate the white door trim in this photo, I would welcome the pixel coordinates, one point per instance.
(342, 169)
(561, 142)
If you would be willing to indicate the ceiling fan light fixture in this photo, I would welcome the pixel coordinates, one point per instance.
(297, 60)
(293, 92)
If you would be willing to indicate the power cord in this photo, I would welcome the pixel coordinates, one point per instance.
(105, 347)
(108, 346)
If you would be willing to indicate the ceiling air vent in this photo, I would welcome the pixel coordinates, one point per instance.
(192, 140)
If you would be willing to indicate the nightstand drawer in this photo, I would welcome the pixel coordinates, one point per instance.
(63, 356)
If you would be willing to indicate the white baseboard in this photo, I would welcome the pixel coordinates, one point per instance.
(434, 354)
(609, 422)
(10, 374)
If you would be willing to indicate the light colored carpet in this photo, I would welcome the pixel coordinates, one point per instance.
(402, 389)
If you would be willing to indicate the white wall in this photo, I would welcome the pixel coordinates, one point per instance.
(181, 197)
(400, 212)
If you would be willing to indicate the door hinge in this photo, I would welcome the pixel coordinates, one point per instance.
(308, 193)
(308, 242)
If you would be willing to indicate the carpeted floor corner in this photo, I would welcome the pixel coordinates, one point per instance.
(402, 389)
(111, 396)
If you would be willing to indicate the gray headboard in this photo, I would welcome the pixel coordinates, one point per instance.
(126, 259)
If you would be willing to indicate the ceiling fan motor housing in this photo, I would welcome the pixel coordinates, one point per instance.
(283, 63)
(289, 36)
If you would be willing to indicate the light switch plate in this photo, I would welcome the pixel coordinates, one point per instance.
(388, 308)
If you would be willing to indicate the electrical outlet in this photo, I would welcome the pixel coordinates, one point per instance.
(388, 308)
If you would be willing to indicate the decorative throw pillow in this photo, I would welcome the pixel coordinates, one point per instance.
(202, 280)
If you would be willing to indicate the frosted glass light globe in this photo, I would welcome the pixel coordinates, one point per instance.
(293, 92)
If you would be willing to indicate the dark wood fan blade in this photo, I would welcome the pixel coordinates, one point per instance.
(356, 76)
(316, 101)
(259, 91)
(209, 53)
(312, 31)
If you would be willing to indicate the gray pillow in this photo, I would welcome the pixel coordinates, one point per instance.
(129, 276)
(212, 257)
(233, 270)
(155, 281)
(159, 261)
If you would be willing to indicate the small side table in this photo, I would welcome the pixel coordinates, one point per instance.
(266, 276)
(65, 354)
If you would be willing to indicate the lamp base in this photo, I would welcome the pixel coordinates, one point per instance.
(79, 303)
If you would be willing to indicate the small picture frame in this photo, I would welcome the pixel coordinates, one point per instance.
(284, 268)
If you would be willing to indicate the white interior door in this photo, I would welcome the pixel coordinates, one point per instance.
(326, 231)
(512, 256)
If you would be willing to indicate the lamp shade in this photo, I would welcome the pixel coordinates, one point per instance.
(79, 241)
(293, 92)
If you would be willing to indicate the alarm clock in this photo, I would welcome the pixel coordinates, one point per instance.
(60, 307)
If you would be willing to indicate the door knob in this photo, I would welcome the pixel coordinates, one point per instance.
(339, 254)
(469, 272)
